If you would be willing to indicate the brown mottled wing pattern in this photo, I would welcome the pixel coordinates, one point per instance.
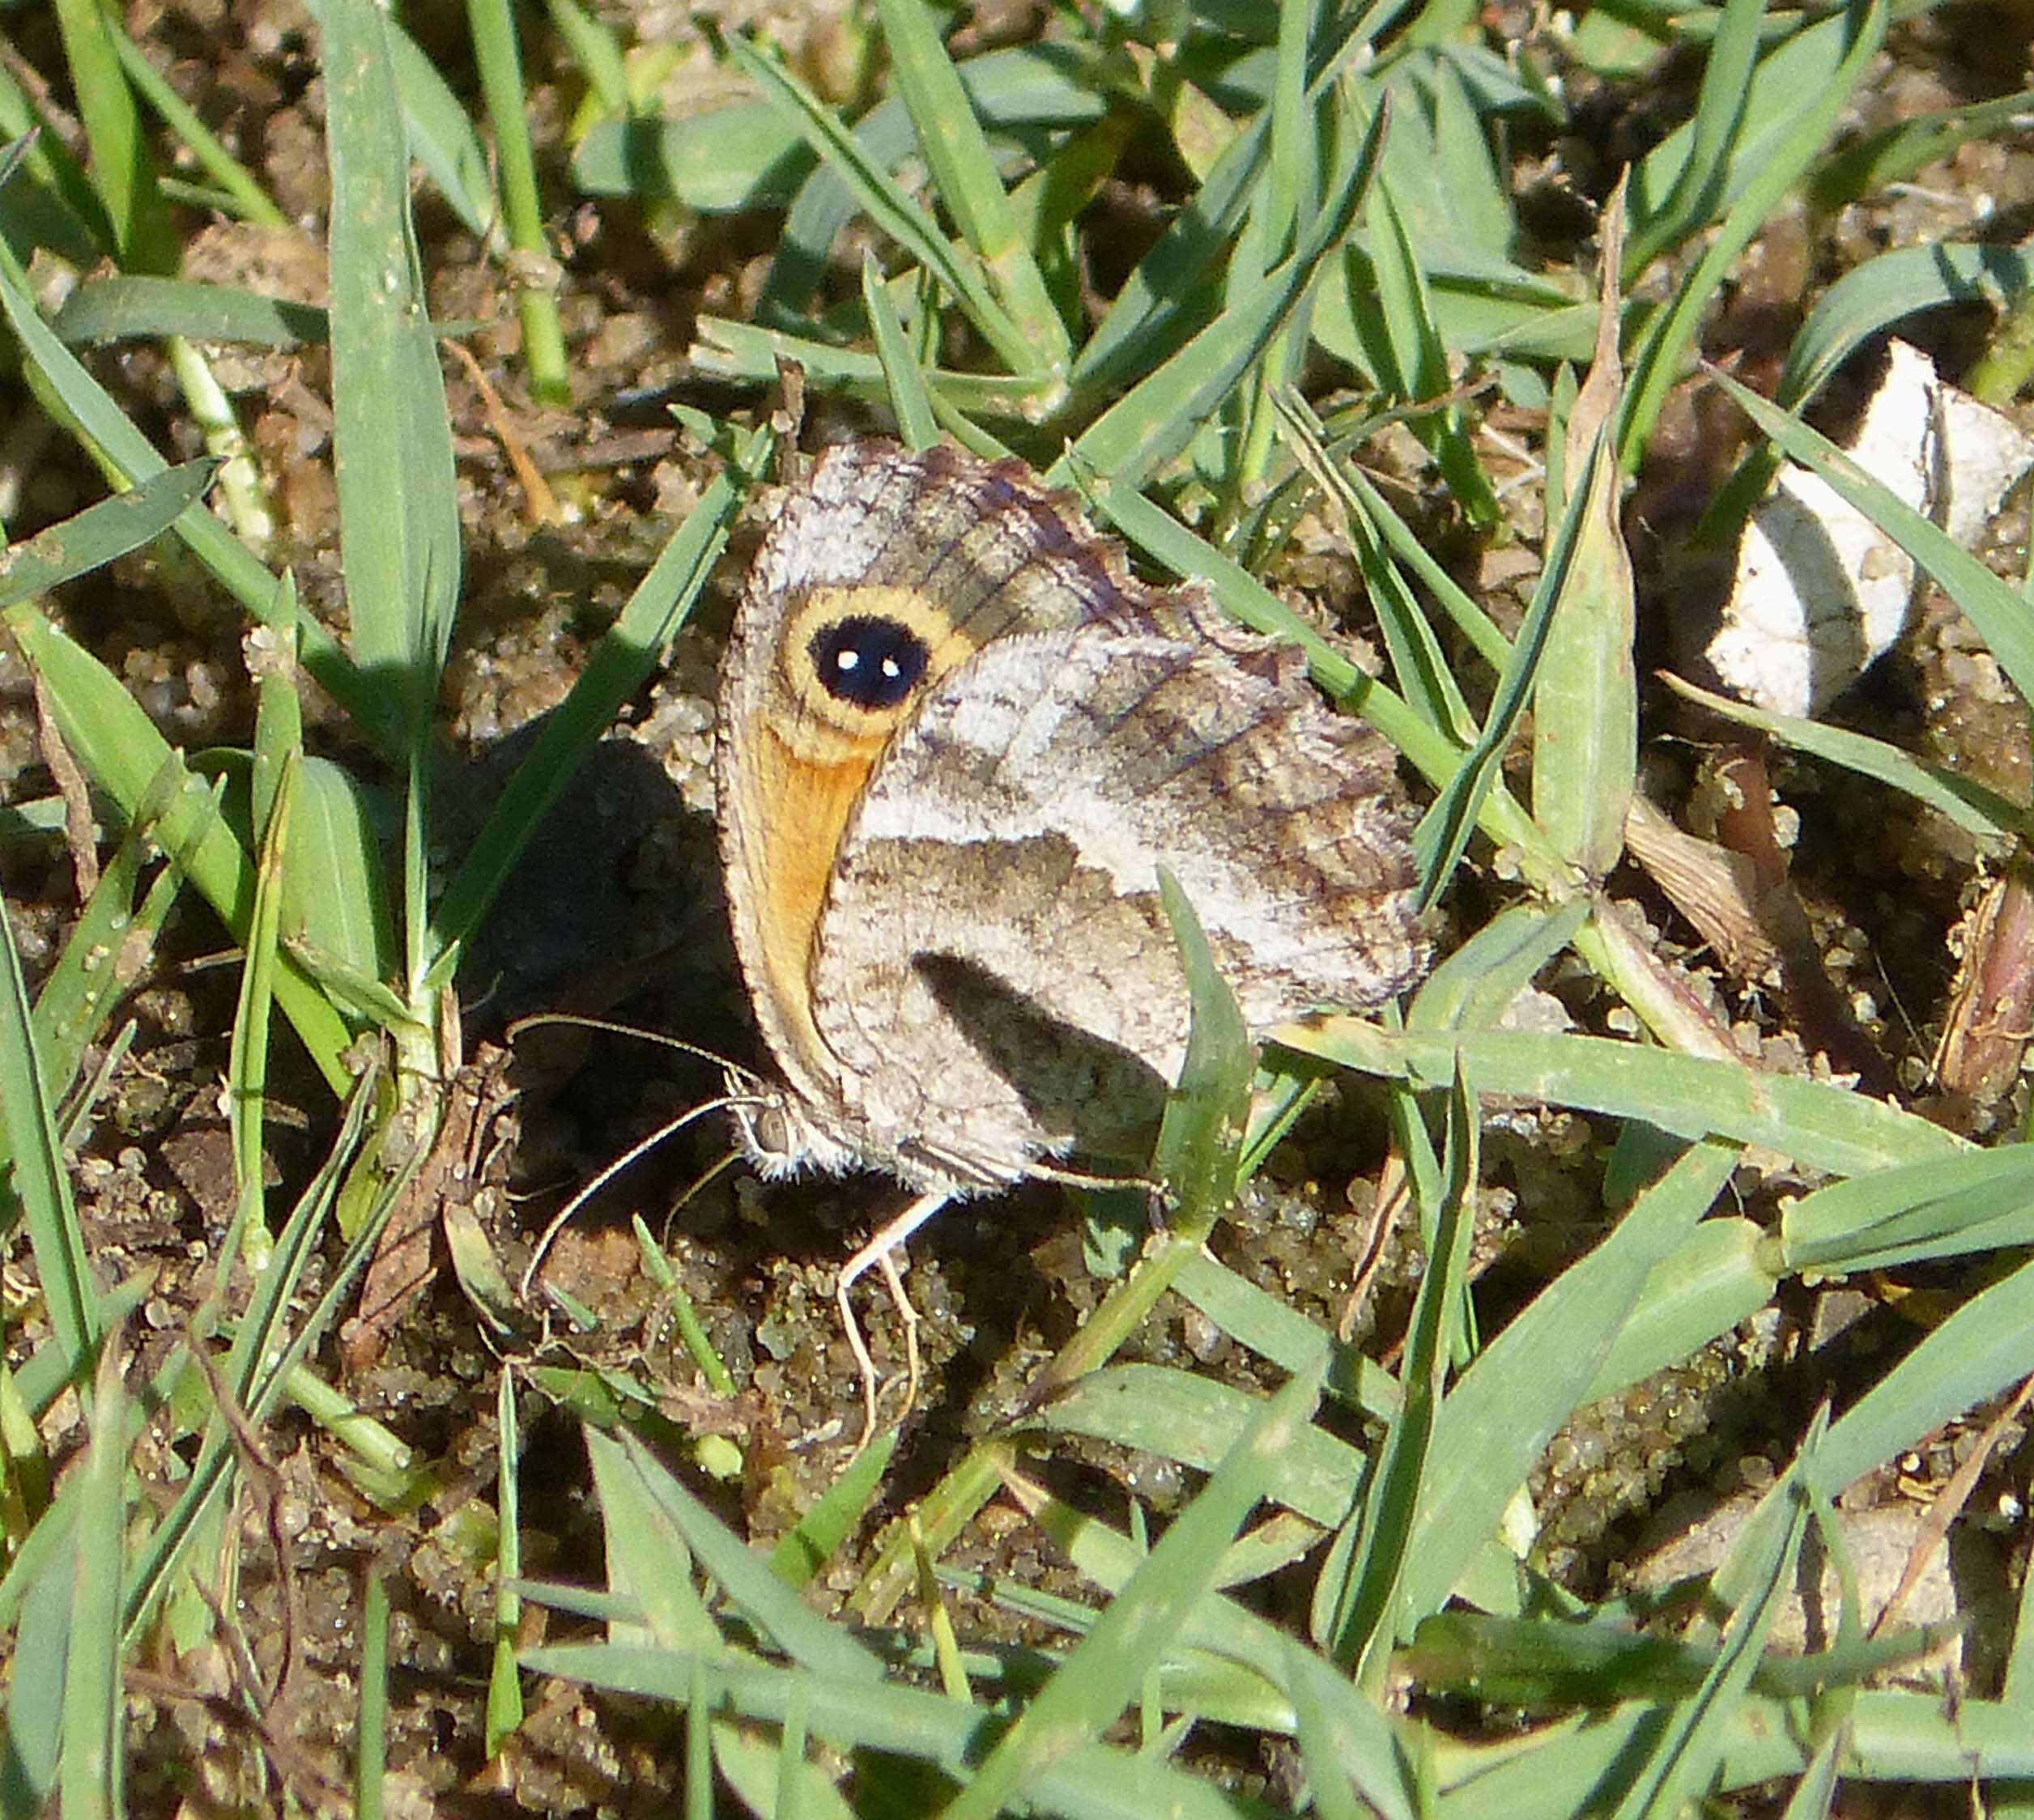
(993, 972)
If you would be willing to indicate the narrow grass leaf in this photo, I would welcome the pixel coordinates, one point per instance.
(370, 1750)
(1964, 800)
(818, 1535)
(41, 1180)
(964, 172)
(504, 1689)
(1168, 296)
(1271, 1327)
(1697, 174)
(1417, 660)
(1997, 609)
(1724, 1272)
(746, 1578)
(1978, 1350)
(1194, 1421)
(1201, 1134)
(1442, 836)
(1803, 117)
(247, 1054)
(102, 533)
(1492, 1427)
(392, 441)
(1160, 414)
(1093, 1782)
(649, 1569)
(490, 25)
(1103, 1674)
(266, 1351)
(1372, 1605)
(1862, 303)
(123, 173)
(1586, 707)
(82, 406)
(41, 1578)
(1029, 92)
(93, 1710)
(244, 194)
(917, 425)
(102, 960)
(886, 204)
(1902, 1216)
(1895, 153)
(1417, 369)
(1822, 1126)
(1755, 1578)
(1472, 988)
(128, 758)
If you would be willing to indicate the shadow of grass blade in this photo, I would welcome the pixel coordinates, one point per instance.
(625, 656)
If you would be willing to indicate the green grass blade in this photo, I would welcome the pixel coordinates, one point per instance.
(102, 533)
(370, 1757)
(1158, 416)
(1822, 1126)
(247, 1058)
(399, 535)
(1656, 366)
(492, 25)
(1755, 1578)
(143, 239)
(1104, 1672)
(244, 196)
(917, 425)
(41, 1181)
(1994, 606)
(1978, 1350)
(1899, 1216)
(94, 1711)
(1724, 1273)
(886, 204)
(1711, 139)
(120, 748)
(964, 172)
(1493, 1425)
(1951, 793)
(1442, 836)
(1586, 704)
(504, 1710)
(1370, 1608)
(79, 402)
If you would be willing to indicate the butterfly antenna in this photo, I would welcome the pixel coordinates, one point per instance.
(734, 1070)
(609, 1171)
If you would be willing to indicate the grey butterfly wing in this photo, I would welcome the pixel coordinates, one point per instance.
(993, 969)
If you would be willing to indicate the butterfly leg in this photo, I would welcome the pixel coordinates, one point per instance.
(881, 1251)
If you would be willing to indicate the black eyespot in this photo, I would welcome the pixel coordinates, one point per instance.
(868, 662)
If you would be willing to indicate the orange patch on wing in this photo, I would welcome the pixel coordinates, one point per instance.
(803, 809)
